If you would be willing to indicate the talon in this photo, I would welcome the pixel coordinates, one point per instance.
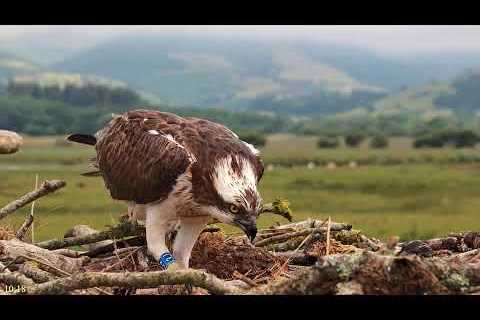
(189, 288)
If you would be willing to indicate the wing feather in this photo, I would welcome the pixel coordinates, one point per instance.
(137, 165)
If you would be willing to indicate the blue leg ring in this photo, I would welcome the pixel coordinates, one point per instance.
(166, 259)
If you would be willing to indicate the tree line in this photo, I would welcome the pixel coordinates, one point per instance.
(86, 95)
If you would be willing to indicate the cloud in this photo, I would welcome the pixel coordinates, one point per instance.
(385, 40)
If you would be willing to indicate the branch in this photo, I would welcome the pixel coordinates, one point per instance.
(16, 249)
(120, 231)
(135, 280)
(279, 207)
(24, 228)
(46, 188)
(304, 232)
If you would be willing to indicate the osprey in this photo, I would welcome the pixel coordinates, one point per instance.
(174, 170)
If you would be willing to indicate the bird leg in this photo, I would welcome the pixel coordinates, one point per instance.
(187, 235)
(158, 222)
(190, 229)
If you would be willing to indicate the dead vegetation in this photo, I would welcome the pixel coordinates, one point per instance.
(306, 257)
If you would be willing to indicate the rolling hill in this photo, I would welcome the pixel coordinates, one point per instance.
(245, 73)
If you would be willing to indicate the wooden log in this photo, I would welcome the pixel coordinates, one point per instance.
(375, 274)
(31, 270)
(46, 188)
(68, 253)
(16, 249)
(134, 280)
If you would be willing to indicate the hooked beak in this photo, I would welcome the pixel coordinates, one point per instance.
(249, 226)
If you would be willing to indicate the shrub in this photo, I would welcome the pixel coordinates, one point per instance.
(354, 140)
(464, 139)
(379, 142)
(328, 142)
(429, 141)
(456, 138)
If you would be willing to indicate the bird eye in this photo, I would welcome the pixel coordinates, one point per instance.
(233, 208)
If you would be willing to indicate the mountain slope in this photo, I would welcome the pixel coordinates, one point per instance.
(206, 71)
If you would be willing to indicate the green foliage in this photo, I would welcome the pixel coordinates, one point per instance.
(255, 138)
(46, 117)
(329, 142)
(460, 138)
(429, 141)
(354, 139)
(87, 95)
(379, 142)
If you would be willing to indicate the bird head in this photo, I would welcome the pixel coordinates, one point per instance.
(239, 203)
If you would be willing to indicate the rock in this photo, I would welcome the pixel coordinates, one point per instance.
(311, 165)
(331, 166)
(270, 167)
(10, 142)
(352, 164)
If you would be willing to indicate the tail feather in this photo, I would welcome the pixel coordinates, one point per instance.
(89, 140)
(92, 174)
(82, 138)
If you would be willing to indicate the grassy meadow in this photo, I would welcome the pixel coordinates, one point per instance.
(395, 191)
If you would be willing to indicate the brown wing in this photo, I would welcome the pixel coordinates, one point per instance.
(137, 165)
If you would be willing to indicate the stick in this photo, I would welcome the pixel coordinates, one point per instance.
(15, 248)
(46, 188)
(32, 271)
(244, 278)
(120, 231)
(24, 228)
(31, 210)
(135, 280)
(304, 232)
(327, 248)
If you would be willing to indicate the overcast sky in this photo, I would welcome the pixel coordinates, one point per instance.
(388, 40)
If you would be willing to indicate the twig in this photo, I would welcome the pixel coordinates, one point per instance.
(304, 232)
(244, 278)
(327, 247)
(31, 212)
(24, 228)
(46, 188)
(294, 251)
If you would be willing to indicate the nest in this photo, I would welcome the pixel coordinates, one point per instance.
(217, 256)
(319, 248)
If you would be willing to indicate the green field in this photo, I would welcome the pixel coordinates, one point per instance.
(423, 195)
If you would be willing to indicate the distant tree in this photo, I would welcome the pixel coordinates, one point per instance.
(459, 138)
(379, 142)
(465, 139)
(87, 95)
(354, 140)
(328, 142)
(429, 141)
